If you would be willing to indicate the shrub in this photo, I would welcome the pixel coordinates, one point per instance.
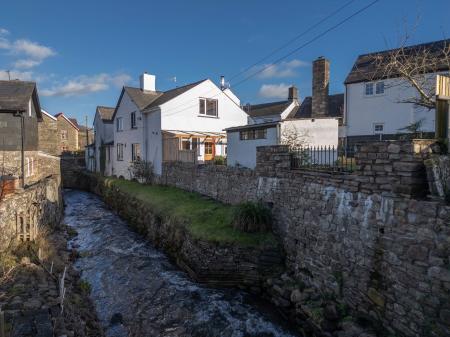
(142, 171)
(220, 160)
(252, 217)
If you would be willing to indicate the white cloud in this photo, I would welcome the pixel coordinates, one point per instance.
(16, 75)
(83, 85)
(274, 90)
(26, 64)
(4, 43)
(280, 70)
(34, 50)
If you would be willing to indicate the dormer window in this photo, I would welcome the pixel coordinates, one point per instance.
(208, 107)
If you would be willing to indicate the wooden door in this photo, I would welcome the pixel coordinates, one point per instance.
(209, 150)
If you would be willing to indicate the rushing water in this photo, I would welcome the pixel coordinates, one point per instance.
(137, 291)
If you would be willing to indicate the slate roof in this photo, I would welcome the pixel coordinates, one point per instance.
(74, 122)
(106, 113)
(266, 109)
(252, 126)
(15, 95)
(171, 94)
(335, 107)
(141, 98)
(364, 68)
(145, 100)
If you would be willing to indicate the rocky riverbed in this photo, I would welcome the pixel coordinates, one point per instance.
(30, 296)
(137, 291)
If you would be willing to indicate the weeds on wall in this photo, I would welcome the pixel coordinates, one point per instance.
(252, 217)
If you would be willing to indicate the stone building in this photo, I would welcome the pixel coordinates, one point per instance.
(48, 134)
(85, 137)
(67, 138)
(20, 113)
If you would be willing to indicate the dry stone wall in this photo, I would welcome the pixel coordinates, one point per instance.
(26, 212)
(367, 238)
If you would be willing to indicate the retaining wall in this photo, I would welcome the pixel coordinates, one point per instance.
(368, 238)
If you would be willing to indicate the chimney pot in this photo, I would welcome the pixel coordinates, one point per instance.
(222, 82)
(293, 93)
(148, 82)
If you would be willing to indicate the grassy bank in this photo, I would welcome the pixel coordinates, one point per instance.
(206, 219)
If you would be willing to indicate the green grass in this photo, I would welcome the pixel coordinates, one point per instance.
(206, 219)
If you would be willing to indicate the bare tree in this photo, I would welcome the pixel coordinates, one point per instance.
(293, 137)
(411, 67)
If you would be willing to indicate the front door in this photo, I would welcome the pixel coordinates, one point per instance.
(209, 150)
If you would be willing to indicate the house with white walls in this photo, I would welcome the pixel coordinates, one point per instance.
(182, 124)
(102, 149)
(312, 123)
(374, 100)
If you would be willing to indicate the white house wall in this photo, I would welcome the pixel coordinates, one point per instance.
(127, 137)
(243, 152)
(104, 133)
(153, 151)
(314, 131)
(182, 112)
(362, 111)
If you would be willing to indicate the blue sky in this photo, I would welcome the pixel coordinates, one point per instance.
(81, 52)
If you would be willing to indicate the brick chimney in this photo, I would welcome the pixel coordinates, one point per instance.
(320, 87)
(293, 93)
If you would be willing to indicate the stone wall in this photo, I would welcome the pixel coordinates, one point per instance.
(366, 238)
(216, 264)
(48, 135)
(26, 212)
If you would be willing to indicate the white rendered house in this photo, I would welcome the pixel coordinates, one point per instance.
(313, 123)
(374, 104)
(182, 124)
(103, 140)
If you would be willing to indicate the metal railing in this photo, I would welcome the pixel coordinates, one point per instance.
(323, 158)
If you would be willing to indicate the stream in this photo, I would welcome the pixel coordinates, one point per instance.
(138, 291)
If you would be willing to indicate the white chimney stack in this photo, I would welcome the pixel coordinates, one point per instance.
(148, 82)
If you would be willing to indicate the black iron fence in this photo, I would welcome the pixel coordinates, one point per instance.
(323, 158)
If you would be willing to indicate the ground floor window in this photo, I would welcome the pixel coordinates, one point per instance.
(119, 151)
(253, 134)
(209, 148)
(135, 152)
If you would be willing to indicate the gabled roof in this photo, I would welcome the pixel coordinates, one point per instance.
(15, 95)
(69, 120)
(75, 122)
(365, 66)
(171, 94)
(45, 113)
(266, 109)
(335, 107)
(106, 113)
(145, 100)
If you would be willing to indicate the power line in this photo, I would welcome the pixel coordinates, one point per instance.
(340, 23)
(285, 44)
(315, 38)
(293, 39)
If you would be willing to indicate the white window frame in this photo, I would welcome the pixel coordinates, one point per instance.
(375, 132)
(119, 154)
(119, 124)
(133, 151)
(374, 90)
(381, 83)
(203, 107)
